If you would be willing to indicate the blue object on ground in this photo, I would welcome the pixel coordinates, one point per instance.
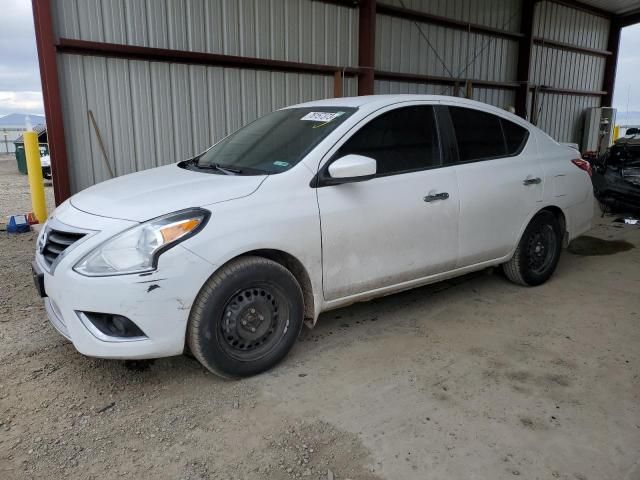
(18, 224)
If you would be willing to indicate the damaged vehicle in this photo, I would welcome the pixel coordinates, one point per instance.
(616, 177)
(307, 209)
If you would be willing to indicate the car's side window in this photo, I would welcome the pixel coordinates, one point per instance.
(515, 136)
(478, 133)
(400, 140)
(483, 136)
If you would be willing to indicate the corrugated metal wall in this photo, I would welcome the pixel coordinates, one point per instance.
(403, 46)
(294, 30)
(153, 113)
(502, 14)
(409, 46)
(562, 115)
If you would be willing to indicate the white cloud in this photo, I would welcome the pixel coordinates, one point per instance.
(21, 102)
(627, 89)
(19, 77)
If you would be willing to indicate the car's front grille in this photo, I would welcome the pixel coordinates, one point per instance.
(55, 242)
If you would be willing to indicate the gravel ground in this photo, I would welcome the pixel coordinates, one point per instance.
(472, 378)
(14, 190)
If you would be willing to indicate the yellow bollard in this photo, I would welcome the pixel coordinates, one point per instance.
(34, 169)
(616, 132)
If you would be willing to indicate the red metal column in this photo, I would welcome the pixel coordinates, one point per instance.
(45, 41)
(609, 80)
(366, 46)
(524, 56)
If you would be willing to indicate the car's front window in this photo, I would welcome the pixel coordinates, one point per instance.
(273, 143)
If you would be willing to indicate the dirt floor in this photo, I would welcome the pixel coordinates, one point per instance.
(470, 379)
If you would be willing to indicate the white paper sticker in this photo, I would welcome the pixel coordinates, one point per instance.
(321, 116)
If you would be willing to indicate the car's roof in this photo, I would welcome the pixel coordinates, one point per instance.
(371, 103)
(383, 100)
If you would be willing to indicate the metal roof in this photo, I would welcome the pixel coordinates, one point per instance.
(617, 7)
(39, 129)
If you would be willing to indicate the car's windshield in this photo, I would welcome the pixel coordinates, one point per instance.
(273, 143)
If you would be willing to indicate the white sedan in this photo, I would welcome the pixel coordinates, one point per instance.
(307, 209)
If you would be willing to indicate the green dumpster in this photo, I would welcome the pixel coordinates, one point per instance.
(21, 158)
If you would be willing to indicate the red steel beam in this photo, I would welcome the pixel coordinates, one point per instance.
(571, 91)
(420, 78)
(524, 56)
(341, 3)
(609, 79)
(337, 84)
(84, 47)
(570, 47)
(366, 46)
(45, 41)
(630, 18)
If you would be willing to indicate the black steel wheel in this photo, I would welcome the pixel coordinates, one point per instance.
(253, 321)
(538, 252)
(246, 317)
(541, 248)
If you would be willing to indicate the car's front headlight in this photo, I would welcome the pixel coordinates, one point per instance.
(137, 250)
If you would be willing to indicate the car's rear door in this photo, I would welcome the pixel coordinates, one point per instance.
(500, 182)
(400, 225)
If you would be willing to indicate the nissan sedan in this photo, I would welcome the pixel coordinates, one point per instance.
(309, 208)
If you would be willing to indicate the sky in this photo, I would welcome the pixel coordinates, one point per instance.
(627, 89)
(20, 88)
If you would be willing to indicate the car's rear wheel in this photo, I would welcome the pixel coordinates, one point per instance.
(538, 252)
(246, 318)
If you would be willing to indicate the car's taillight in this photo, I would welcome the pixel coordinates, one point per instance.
(582, 165)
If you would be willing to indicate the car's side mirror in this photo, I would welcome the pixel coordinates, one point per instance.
(351, 168)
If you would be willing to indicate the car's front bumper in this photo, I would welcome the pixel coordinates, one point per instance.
(158, 302)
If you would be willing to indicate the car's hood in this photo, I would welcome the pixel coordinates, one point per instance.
(151, 193)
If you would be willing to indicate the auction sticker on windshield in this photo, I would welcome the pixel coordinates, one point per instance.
(321, 116)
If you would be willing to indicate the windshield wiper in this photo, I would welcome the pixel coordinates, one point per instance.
(225, 169)
(216, 166)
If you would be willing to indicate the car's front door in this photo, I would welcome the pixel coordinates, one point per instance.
(400, 225)
(500, 180)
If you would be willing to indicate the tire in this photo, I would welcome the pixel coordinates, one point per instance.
(246, 317)
(538, 252)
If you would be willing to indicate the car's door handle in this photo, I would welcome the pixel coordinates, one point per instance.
(436, 196)
(531, 181)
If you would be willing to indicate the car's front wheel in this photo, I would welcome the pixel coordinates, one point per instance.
(538, 252)
(246, 318)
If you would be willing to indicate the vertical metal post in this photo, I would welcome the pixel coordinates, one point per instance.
(524, 56)
(337, 84)
(468, 89)
(609, 79)
(34, 169)
(45, 41)
(366, 46)
(534, 106)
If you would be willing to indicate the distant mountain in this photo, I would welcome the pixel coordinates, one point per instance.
(19, 120)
